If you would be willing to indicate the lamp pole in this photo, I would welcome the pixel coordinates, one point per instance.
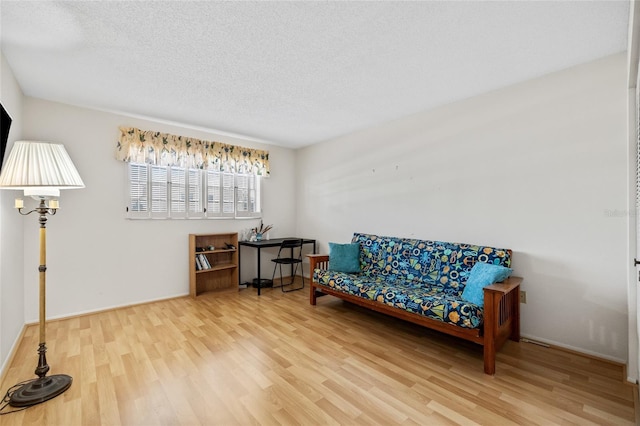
(44, 387)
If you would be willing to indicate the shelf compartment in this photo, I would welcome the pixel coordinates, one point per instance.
(223, 275)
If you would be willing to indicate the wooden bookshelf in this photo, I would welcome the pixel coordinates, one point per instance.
(213, 270)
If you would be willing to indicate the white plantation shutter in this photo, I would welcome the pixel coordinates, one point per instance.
(228, 194)
(159, 191)
(214, 193)
(194, 190)
(178, 193)
(138, 190)
(255, 202)
(247, 204)
(220, 194)
(242, 194)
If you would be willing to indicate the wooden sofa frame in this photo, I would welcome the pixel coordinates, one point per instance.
(501, 313)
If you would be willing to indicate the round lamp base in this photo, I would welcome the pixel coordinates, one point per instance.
(40, 390)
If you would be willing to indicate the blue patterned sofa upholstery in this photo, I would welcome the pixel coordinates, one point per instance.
(422, 281)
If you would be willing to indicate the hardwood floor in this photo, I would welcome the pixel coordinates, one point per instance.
(235, 358)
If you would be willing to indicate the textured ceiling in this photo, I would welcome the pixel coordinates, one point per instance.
(295, 73)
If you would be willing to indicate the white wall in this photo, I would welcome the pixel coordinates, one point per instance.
(539, 167)
(11, 231)
(96, 258)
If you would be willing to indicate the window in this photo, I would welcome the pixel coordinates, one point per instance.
(195, 207)
(176, 192)
(214, 193)
(248, 204)
(228, 196)
(138, 190)
(159, 191)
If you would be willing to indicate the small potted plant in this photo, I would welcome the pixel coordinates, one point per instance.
(261, 231)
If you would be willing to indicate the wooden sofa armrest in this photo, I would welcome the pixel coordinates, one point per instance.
(501, 318)
(505, 286)
(318, 261)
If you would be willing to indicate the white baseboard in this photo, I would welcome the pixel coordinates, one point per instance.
(110, 308)
(575, 349)
(12, 352)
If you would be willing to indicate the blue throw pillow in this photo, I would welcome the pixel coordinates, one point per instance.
(481, 275)
(344, 257)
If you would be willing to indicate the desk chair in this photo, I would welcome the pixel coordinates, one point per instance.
(293, 260)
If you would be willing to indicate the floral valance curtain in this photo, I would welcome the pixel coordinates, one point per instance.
(143, 146)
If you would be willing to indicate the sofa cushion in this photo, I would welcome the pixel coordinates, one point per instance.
(406, 260)
(457, 260)
(424, 261)
(344, 257)
(481, 275)
(416, 297)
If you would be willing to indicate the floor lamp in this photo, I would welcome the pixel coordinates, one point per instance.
(41, 170)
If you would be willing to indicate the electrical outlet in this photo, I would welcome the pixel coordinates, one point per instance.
(523, 296)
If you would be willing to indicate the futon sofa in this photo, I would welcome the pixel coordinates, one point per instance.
(423, 282)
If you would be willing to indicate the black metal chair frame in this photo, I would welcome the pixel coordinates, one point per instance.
(292, 260)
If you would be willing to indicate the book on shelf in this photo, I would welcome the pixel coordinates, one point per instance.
(204, 261)
(198, 265)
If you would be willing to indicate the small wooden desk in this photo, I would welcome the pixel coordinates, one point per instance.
(259, 245)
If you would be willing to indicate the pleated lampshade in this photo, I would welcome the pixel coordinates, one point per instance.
(39, 168)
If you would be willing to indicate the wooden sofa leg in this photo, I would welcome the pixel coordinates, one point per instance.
(515, 316)
(490, 331)
(489, 359)
(312, 294)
